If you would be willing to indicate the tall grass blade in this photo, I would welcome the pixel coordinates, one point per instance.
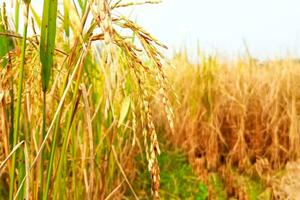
(48, 32)
(17, 13)
(67, 17)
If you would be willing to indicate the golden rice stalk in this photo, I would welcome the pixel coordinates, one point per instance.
(120, 4)
(114, 41)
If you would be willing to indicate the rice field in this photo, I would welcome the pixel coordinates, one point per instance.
(90, 108)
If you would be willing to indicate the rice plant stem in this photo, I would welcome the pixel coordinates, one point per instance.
(57, 112)
(122, 171)
(2, 165)
(19, 100)
(41, 140)
(70, 119)
(17, 9)
(50, 166)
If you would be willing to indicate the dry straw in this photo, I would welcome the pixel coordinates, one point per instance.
(239, 115)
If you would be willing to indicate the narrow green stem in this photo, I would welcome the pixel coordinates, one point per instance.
(12, 96)
(53, 149)
(50, 166)
(17, 10)
(19, 101)
(74, 164)
(84, 6)
(41, 140)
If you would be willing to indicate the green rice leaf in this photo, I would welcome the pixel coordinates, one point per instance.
(48, 32)
(36, 17)
(3, 44)
(67, 17)
(124, 110)
(3, 51)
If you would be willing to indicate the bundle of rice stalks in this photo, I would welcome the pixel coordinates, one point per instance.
(82, 104)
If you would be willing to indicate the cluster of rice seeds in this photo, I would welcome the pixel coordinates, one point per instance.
(161, 82)
(163, 91)
(149, 134)
(157, 57)
(111, 37)
(104, 20)
(142, 73)
(120, 4)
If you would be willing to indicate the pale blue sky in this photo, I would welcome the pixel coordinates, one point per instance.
(271, 28)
